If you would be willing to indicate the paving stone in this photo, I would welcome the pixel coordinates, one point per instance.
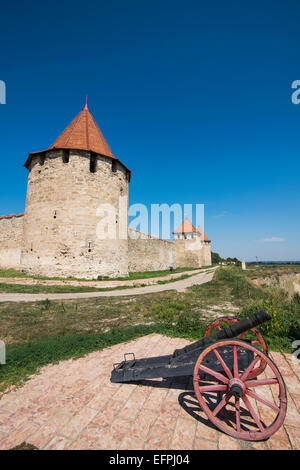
(203, 444)
(58, 443)
(228, 443)
(88, 438)
(184, 434)
(131, 443)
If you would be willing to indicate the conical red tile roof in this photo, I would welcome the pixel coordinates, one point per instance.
(199, 229)
(186, 226)
(83, 134)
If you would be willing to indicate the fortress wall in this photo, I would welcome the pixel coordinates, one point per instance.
(148, 253)
(11, 240)
(207, 254)
(65, 208)
(192, 254)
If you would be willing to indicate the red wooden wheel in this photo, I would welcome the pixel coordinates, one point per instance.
(253, 335)
(243, 408)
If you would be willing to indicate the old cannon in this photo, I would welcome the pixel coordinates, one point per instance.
(225, 367)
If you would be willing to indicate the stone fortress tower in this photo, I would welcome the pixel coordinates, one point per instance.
(70, 186)
(76, 216)
(192, 246)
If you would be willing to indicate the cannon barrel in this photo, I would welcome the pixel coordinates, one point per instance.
(228, 332)
(243, 325)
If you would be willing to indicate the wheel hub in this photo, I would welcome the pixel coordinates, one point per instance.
(237, 388)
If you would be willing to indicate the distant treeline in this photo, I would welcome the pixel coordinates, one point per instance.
(216, 258)
(263, 263)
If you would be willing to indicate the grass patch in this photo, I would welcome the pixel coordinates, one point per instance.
(25, 446)
(12, 273)
(149, 274)
(44, 289)
(180, 278)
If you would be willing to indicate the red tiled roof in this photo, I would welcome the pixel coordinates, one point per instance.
(199, 229)
(10, 216)
(81, 134)
(186, 226)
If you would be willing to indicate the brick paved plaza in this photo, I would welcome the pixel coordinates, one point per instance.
(73, 405)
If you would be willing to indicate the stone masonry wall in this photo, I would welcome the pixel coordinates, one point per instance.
(207, 254)
(192, 253)
(62, 218)
(148, 253)
(11, 240)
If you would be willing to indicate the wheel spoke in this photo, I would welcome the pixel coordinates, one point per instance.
(213, 388)
(235, 362)
(225, 367)
(263, 400)
(242, 335)
(238, 415)
(258, 383)
(255, 342)
(222, 403)
(214, 374)
(253, 414)
(250, 368)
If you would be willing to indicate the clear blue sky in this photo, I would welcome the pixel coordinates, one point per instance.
(194, 97)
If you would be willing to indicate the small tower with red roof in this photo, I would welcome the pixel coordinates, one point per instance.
(76, 214)
(192, 247)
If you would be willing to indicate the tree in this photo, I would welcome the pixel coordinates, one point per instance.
(215, 258)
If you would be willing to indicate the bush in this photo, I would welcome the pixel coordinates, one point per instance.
(284, 326)
(169, 311)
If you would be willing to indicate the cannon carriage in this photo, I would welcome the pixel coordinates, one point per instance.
(225, 365)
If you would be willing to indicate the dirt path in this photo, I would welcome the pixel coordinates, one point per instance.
(180, 286)
(29, 281)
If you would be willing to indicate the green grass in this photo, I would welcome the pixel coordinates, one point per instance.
(44, 289)
(180, 278)
(25, 446)
(150, 274)
(13, 273)
(37, 333)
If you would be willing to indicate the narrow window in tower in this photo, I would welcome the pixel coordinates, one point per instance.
(113, 166)
(66, 157)
(93, 164)
(89, 247)
(54, 214)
